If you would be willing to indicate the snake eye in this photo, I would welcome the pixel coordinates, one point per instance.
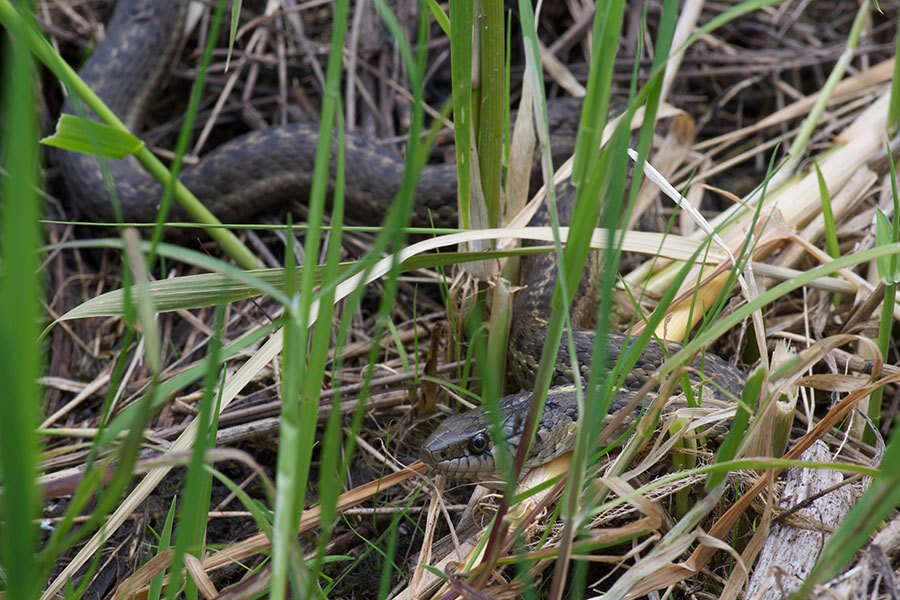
(478, 444)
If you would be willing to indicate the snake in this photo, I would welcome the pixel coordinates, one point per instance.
(462, 447)
(267, 169)
(252, 173)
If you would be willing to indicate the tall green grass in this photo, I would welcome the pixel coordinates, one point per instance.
(20, 294)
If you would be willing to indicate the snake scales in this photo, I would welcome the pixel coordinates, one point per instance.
(461, 445)
(265, 169)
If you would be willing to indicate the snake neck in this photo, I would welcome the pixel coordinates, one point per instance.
(531, 307)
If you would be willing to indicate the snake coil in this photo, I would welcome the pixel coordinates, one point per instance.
(265, 169)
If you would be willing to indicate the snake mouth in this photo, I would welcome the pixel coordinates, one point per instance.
(465, 466)
(459, 448)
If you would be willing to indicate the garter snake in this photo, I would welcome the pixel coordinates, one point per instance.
(462, 447)
(265, 169)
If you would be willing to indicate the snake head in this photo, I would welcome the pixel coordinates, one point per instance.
(462, 446)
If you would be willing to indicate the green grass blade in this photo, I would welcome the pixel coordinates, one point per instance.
(729, 447)
(187, 127)
(232, 31)
(831, 242)
(195, 501)
(462, 23)
(294, 448)
(885, 232)
(439, 16)
(494, 106)
(330, 475)
(83, 135)
(165, 541)
(800, 145)
(20, 296)
(299, 424)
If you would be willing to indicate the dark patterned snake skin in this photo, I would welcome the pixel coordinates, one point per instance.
(249, 174)
(266, 169)
(461, 446)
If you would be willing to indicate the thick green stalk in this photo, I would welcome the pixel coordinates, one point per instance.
(462, 19)
(20, 299)
(493, 104)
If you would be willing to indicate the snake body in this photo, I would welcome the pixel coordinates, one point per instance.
(265, 169)
(462, 447)
(251, 173)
